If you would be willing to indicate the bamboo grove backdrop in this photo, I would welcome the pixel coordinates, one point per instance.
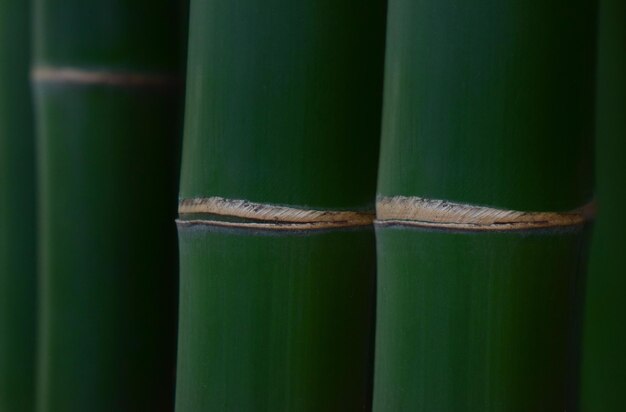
(382, 205)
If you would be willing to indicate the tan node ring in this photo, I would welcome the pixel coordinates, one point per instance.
(79, 76)
(417, 211)
(266, 216)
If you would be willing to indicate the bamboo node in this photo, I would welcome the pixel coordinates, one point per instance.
(434, 213)
(71, 75)
(268, 216)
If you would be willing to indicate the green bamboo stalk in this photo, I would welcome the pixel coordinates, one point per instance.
(488, 110)
(604, 358)
(106, 79)
(277, 188)
(17, 212)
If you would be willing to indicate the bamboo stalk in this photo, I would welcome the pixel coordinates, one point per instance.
(17, 212)
(604, 360)
(277, 190)
(485, 185)
(106, 79)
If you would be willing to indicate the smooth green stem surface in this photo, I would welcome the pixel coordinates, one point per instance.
(477, 321)
(283, 101)
(108, 248)
(490, 103)
(273, 322)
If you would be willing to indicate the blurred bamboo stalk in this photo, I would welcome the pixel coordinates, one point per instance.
(277, 190)
(485, 184)
(17, 212)
(108, 102)
(604, 360)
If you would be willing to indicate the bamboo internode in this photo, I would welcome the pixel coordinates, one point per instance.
(108, 112)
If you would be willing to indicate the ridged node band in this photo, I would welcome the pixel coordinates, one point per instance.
(266, 216)
(431, 213)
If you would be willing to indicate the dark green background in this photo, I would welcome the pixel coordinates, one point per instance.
(604, 364)
(17, 212)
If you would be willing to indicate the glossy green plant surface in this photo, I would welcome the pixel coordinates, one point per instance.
(604, 361)
(17, 212)
(487, 104)
(108, 165)
(283, 108)
(283, 102)
(275, 322)
(490, 103)
(477, 321)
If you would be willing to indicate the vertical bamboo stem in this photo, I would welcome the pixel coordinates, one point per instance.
(107, 82)
(277, 188)
(485, 185)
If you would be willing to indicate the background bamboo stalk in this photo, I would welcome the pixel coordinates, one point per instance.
(604, 361)
(17, 212)
(486, 104)
(283, 103)
(107, 82)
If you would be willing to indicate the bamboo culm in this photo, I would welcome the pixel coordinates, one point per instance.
(278, 174)
(485, 181)
(107, 84)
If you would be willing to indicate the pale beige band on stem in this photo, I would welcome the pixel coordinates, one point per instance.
(267, 216)
(416, 211)
(96, 77)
